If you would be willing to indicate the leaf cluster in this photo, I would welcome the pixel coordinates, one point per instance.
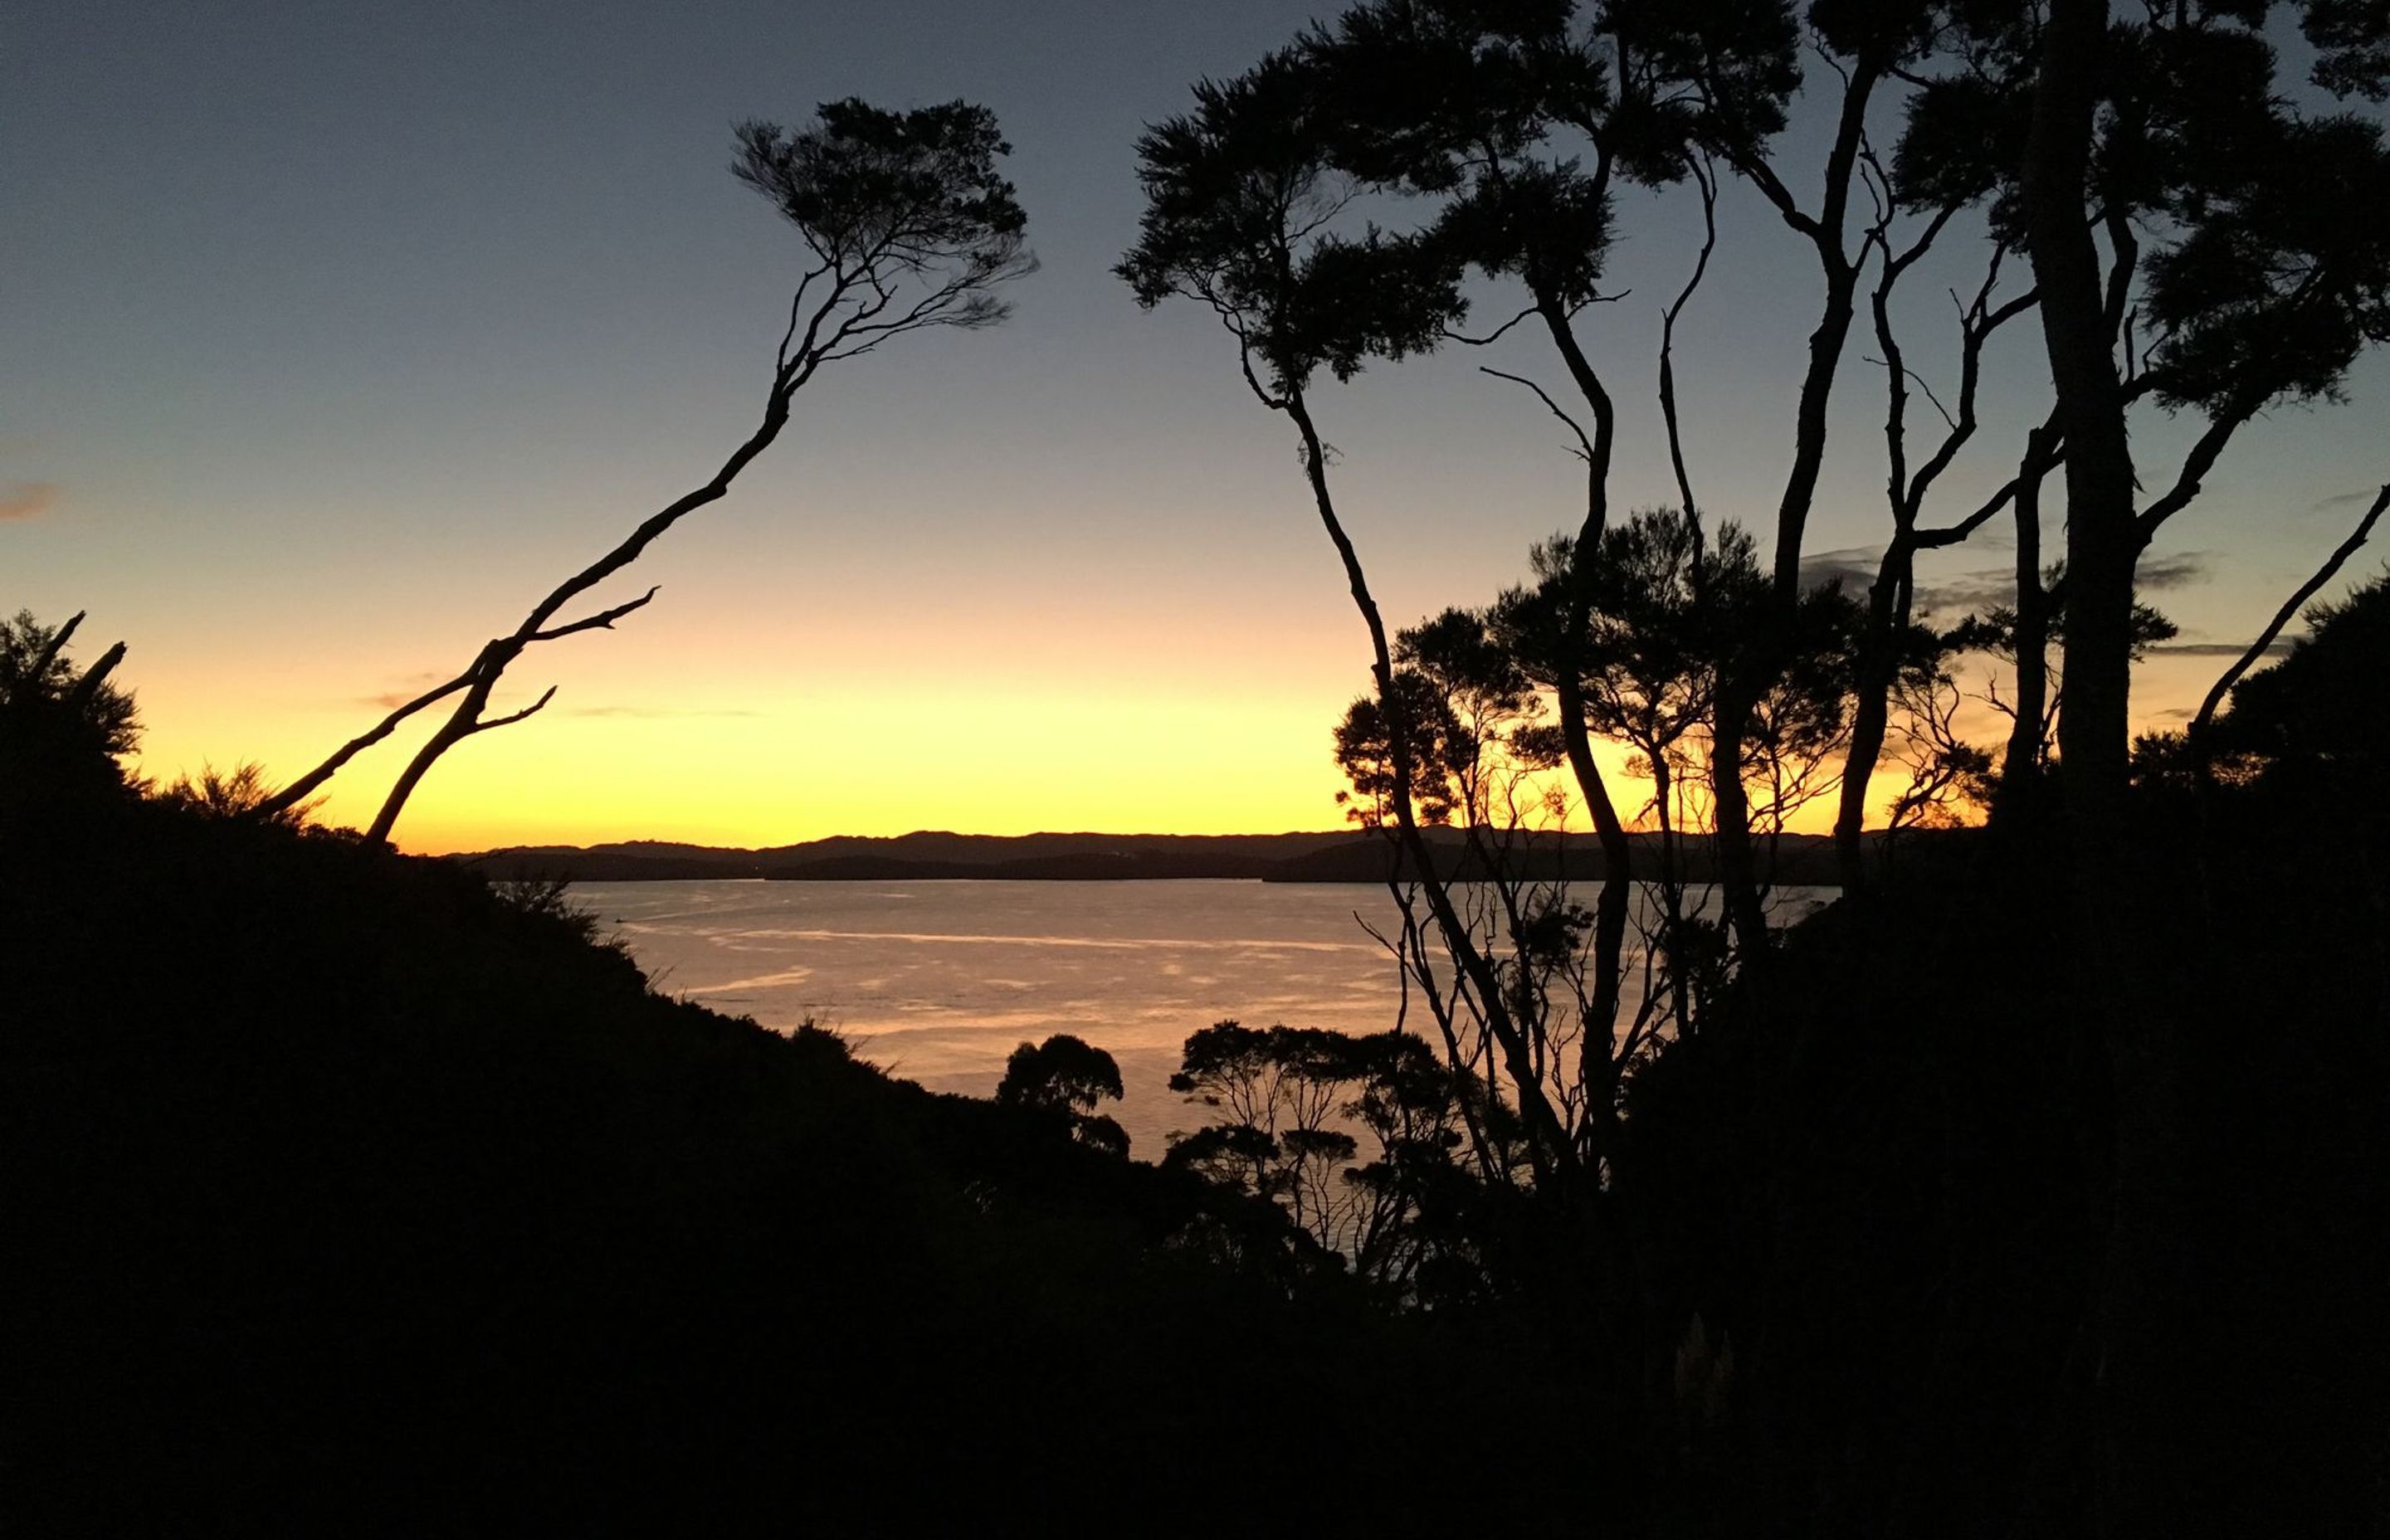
(2269, 264)
(1240, 197)
(891, 193)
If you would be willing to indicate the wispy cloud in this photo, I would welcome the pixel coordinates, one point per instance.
(1855, 566)
(28, 499)
(1977, 590)
(646, 711)
(406, 690)
(2180, 571)
(1985, 587)
(2344, 499)
(2218, 649)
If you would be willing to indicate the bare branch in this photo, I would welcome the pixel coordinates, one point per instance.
(292, 795)
(796, 308)
(1490, 336)
(1925, 242)
(1585, 445)
(2196, 465)
(1705, 177)
(87, 687)
(1926, 540)
(603, 621)
(57, 644)
(513, 717)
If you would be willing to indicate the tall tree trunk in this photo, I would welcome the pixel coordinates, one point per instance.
(1549, 1140)
(2103, 543)
(1618, 850)
(2021, 768)
(2136, 1486)
(1871, 718)
(1748, 677)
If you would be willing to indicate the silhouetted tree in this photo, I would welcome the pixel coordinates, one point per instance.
(2311, 713)
(1065, 1077)
(62, 728)
(908, 227)
(1241, 196)
(2226, 681)
(2268, 271)
(2021, 637)
(2244, 236)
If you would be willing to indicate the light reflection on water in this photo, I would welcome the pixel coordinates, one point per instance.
(938, 981)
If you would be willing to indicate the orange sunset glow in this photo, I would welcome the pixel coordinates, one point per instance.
(1454, 767)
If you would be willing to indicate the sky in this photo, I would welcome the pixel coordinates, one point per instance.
(332, 337)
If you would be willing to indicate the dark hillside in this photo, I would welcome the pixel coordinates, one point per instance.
(1889, 1182)
(343, 1194)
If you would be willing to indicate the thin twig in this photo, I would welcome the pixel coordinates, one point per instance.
(1586, 444)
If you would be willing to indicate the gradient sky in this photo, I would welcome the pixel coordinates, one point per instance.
(331, 337)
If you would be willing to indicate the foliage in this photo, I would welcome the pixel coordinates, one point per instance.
(62, 728)
(2271, 270)
(241, 792)
(1240, 195)
(322, 1116)
(2312, 714)
(1668, 615)
(1292, 1103)
(1064, 1078)
(894, 195)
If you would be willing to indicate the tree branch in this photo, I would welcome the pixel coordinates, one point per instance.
(1490, 336)
(1585, 445)
(510, 719)
(2307, 590)
(41, 664)
(1705, 177)
(292, 795)
(603, 621)
(87, 687)
(2195, 467)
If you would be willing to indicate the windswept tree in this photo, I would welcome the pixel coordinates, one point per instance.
(908, 226)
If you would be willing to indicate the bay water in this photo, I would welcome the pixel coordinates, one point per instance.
(939, 981)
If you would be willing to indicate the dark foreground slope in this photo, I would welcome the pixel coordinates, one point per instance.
(339, 1194)
(1893, 1184)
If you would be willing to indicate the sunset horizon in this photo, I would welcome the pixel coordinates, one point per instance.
(1466, 767)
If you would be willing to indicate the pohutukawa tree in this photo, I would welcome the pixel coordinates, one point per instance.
(908, 226)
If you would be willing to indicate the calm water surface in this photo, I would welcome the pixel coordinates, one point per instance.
(938, 981)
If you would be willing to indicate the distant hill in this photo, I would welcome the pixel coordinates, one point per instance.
(1349, 855)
